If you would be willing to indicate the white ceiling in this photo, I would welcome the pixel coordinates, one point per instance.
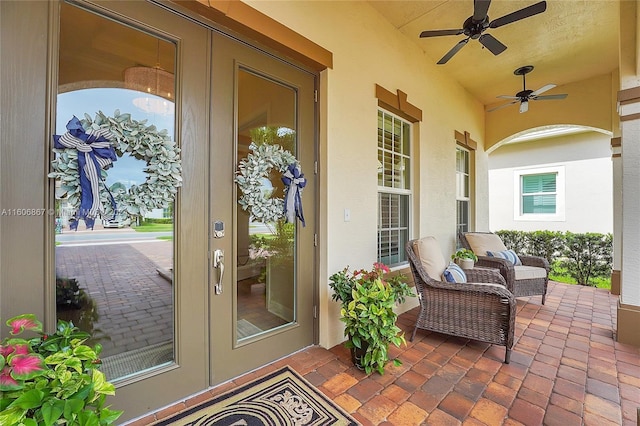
(571, 41)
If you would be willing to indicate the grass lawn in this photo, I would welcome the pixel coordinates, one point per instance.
(599, 282)
(154, 227)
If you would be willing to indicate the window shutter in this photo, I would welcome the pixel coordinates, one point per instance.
(539, 194)
(548, 183)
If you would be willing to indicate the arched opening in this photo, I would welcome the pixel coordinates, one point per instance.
(556, 177)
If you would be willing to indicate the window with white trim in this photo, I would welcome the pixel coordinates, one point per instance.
(394, 187)
(539, 194)
(463, 183)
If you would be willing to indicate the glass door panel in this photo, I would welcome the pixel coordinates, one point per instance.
(266, 287)
(114, 237)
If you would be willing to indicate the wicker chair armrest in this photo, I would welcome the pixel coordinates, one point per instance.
(536, 261)
(505, 266)
(485, 275)
(479, 289)
(488, 289)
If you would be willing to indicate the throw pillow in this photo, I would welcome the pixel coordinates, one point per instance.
(454, 274)
(510, 255)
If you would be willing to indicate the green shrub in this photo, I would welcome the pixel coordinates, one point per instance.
(157, 220)
(587, 256)
(514, 240)
(584, 259)
(547, 244)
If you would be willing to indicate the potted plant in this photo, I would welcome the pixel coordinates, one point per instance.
(52, 379)
(465, 258)
(367, 301)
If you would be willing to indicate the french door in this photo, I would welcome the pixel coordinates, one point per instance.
(263, 309)
(220, 289)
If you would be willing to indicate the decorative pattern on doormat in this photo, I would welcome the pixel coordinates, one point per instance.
(281, 398)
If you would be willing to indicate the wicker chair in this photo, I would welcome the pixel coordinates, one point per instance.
(481, 309)
(529, 279)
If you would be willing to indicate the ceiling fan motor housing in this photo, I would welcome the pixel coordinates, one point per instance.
(524, 94)
(474, 29)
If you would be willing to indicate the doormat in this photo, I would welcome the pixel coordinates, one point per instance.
(281, 398)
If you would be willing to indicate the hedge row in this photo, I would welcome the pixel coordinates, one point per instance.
(157, 220)
(583, 256)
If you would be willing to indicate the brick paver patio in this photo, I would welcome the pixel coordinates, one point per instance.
(133, 303)
(566, 369)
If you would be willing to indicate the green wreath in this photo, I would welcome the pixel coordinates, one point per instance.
(146, 143)
(252, 170)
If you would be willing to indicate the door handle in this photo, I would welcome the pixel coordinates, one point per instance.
(218, 263)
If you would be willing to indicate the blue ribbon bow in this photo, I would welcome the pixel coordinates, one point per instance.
(295, 181)
(94, 145)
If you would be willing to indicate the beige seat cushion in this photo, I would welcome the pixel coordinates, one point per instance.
(480, 243)
(529, 272)
(428, 251)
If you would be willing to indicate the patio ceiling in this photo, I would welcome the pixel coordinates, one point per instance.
(571, 41)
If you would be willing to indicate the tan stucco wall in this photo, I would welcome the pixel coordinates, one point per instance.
(378, 54)
(590, 103)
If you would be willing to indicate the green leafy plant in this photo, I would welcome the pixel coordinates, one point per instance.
(587, 256)
(547, 244)
(69, 295)
(367, 301)
(517, 241)
(52, 379)
(464, 253)
(584, 258)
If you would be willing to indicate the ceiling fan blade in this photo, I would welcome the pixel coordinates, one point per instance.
(507, 97)
(492, 43)
(453, 51)
(526, 12)
(480, 10)
(502, 106)
(437, 33)
(524, 106)
(547, 97)
(543, 89)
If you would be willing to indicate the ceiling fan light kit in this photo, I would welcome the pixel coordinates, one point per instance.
(526, 95)
(474, 26)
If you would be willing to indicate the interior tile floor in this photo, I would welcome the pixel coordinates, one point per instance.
(566, 369)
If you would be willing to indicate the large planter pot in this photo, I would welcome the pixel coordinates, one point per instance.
(357, 354)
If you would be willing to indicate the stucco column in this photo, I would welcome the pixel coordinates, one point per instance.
(616, 163)
(629, 302)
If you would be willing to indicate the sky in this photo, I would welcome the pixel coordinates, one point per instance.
(141, 106)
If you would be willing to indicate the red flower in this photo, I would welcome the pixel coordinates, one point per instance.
(382, 267)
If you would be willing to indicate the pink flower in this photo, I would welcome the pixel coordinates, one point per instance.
(381, 267)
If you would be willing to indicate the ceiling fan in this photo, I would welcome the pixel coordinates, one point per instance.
(525, 95)
(475, 25)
